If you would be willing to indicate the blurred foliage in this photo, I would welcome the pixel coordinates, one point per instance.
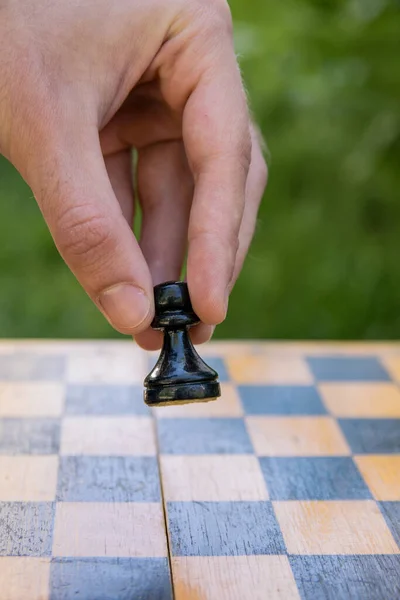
(324, 83)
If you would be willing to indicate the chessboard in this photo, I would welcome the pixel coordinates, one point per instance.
(287, 487)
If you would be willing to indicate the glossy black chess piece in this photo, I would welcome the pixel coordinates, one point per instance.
(180, 375)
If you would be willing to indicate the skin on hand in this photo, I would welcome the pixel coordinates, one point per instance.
(84, 82)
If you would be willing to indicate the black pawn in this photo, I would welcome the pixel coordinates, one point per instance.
(180, 375)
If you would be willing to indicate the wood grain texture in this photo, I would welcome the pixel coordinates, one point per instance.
(26, 528)
(269, 370)
(23, 578)
(233, 578)
(223, 529)
(296, 436)
(347, 577)
(31, 399)
(382, 474)
(110, 579)
(286, 487)
(108, 436)
(109, 529)
(212, 478)
(372, 400)
(336, 527)
(28, 478)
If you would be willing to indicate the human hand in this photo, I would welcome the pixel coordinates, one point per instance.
(85, 81)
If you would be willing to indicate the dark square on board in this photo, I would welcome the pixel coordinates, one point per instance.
(372, 436)
(347, 368)
(29, 436)
(224, 529)
(361, 577)
(108, 479)
(26, 528)
(110, 579)
(105, 400)
(203, 436)
(313, 478)
(281, 400)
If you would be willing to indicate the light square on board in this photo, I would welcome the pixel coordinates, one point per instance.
(233, 578)
(26, 528)
(109, 529)
(228, 405)
(334, 527)
(263, 368)
(108, 479)
(29, 436)
(33, 399)
(372, 436)
(296, 436)
(347, 368)
(108, 436)
(281, 400)
(110, 579)
(352, 400)
(382, 474)
(107, 366)
(28, 478)
(364, 577)
(24, 577)
(212, 478)
(313, 478)
(223, 529)
(203, 436)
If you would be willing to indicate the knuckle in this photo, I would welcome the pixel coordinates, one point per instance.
(226, 241)
(241, 156)
(83, 235)
(237, 159)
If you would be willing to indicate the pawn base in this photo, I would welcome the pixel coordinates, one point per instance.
(182, 393)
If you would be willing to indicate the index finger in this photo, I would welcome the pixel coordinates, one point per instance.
(216, 133)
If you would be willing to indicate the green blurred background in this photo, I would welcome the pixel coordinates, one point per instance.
(324, 83)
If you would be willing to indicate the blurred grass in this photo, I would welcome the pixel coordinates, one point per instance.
(324, 84)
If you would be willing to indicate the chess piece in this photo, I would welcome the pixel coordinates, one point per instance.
(180, 375)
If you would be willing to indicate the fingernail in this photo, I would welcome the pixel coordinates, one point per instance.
(126, 305)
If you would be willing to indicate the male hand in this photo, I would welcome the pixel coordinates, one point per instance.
(85, 81)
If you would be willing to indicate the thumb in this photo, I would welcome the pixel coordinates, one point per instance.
(74, 193)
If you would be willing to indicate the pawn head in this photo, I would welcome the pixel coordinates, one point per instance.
(173, 308)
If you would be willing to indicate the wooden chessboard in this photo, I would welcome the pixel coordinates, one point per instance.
(287, 487)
